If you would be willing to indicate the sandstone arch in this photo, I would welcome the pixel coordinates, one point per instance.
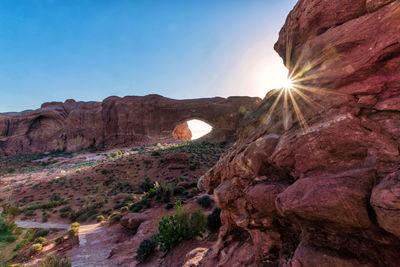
(117, 122)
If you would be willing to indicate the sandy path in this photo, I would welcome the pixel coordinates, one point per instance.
(29, 224)
(94, 247)
(94, 243)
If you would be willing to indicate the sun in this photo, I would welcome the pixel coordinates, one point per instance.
(287, 83)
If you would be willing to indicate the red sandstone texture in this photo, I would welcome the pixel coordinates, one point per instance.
(325, 193)
(182, 132)
(117, 122)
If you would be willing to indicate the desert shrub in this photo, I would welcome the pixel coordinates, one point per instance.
(204, 201)
(146, 247)
(162, 192)
(156, 153)
(65, 209)
(55, 197)
(146, 184)
(82, 214)
(26, 239)
(214, 220)
(181, 226)
(7, 224)
(59, 240)
(11, 210)
(40, 233)
(45, 205)
(129, 198)
(35, 248)
(55, 261)
(10, 238)
(115, 216)
(41, 240)
(30, 213)
(138, 206)
(109, 181)
(124, 209)
(178, 190)
(74, 229)
(104, 171)
(100, 218)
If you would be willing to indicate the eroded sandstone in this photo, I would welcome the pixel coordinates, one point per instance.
(317, 183)
(117, 122)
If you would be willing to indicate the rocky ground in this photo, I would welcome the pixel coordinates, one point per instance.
(55, 189)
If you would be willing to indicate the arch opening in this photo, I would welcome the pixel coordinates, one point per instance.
(191, 130)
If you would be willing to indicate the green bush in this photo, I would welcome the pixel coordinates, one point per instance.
(55, 261)
(162, 192)
(40, 232)
(178, 190)
(7, 224)
(59, 240)
(146, 184)
(146, 247)
(74, 229)
(45, 205)
(181, 226)
(100, 218)
(156, 153)
(214, 220)
(41, 240)
(138, 206)
(205, 201)
(115, 216)
(65, 209)
(10, 238)
(35, 248)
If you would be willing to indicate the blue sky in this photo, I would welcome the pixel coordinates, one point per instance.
(52, 50)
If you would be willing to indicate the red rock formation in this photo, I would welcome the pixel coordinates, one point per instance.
(324, 192)
(116, 122)
(182, 132)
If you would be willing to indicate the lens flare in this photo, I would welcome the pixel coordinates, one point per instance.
(300, 90)
(288, 84)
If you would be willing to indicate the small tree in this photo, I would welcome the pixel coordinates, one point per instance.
(181, 226)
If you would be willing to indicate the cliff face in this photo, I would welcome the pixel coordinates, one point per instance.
(314, 179)
(116, 122)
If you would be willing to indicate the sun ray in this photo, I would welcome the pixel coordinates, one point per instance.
(298, 112)
(272, 108)
(318, 90)
(306, 98)
(285, 111)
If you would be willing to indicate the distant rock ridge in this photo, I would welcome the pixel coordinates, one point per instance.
(117, 122)
(324, 191)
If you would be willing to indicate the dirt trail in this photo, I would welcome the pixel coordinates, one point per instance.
(29, 224)
(94, 247)
(94, 243)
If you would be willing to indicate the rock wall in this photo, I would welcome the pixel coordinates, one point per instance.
(116, 122)
(314, 179)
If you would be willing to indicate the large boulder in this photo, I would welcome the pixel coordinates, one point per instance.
(313, 179)
(385, 200)
(132, 221)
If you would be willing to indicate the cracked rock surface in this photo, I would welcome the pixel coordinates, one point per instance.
(316, 181)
